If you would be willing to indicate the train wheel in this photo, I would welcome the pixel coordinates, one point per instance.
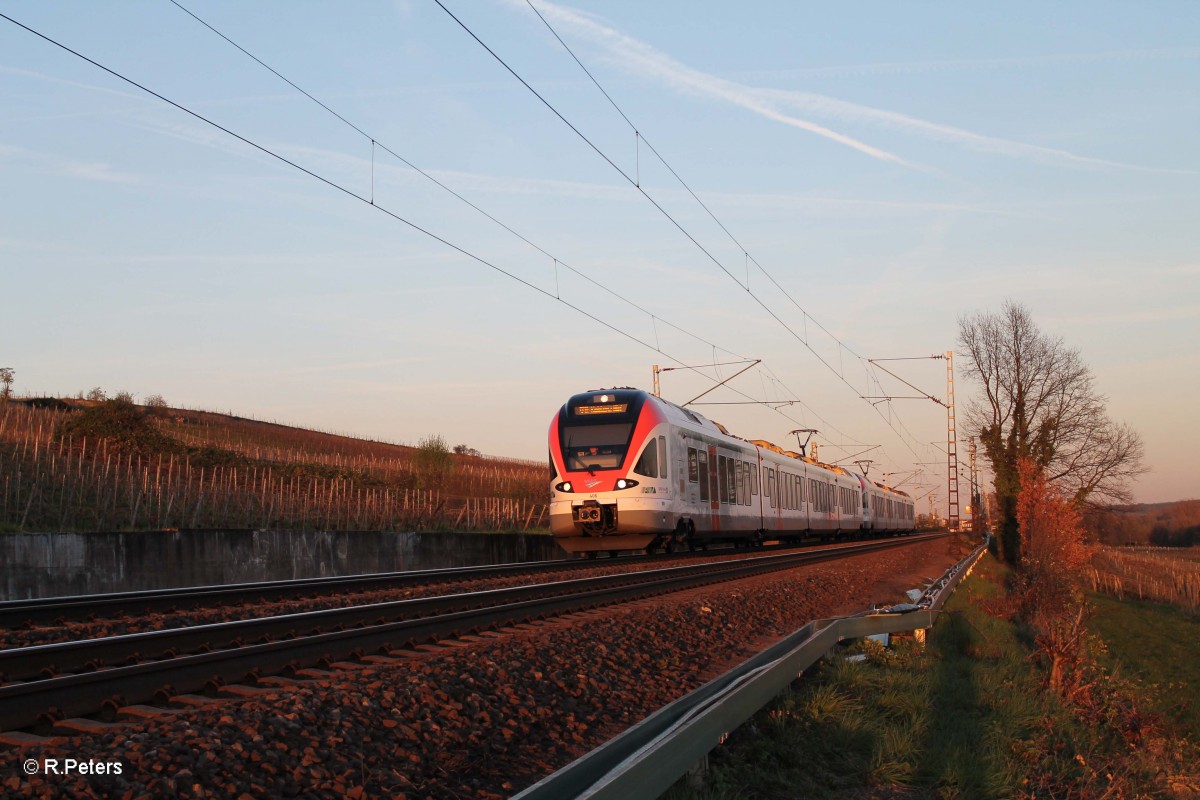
(591, 554)
(613, 553)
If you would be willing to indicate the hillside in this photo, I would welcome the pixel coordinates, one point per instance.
(69, 464)
(1163, 524)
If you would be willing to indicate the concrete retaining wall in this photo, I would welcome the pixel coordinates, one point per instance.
(53, 564)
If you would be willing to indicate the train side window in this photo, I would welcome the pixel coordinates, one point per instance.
(662, 456)
(771, 486)
(731, 481)
(693, 467)
(702, 473)
(754, 479)
(747, 469)
(737, 483)
(648, 463)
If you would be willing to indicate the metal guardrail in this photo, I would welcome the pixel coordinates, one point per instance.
(645, 760)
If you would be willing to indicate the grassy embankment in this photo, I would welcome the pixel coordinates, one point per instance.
(64, 468)
(968, 717)
(1147, 612)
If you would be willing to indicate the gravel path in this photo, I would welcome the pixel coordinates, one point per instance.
(482, 718)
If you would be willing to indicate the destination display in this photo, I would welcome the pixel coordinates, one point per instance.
(614, 408)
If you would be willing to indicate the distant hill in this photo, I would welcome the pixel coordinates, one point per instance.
(1174, 524)
(73, 464)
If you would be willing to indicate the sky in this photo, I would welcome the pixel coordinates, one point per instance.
(443, 240)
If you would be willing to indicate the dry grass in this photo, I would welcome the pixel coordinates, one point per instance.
(1160, 574)
(238, 473)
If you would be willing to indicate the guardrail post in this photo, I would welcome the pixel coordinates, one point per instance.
(695, 775)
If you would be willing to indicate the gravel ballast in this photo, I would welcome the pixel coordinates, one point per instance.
(478, 718)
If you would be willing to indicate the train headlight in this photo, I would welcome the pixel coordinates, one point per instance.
(626, 483)
(565, 486)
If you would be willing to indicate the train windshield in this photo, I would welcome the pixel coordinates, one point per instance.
(591, 447)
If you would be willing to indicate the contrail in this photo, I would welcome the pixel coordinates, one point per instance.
(631, 53)
(641, 58)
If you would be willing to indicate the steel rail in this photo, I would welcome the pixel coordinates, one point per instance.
(16, 614)
(37, 611)
(46, 660)
(22, 705)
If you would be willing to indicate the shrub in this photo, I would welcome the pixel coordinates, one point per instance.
(120, 422)
(432, 462)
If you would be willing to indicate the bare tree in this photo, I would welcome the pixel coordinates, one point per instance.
(6, 378)
(1040, 402)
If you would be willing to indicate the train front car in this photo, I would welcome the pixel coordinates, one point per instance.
(608, 491)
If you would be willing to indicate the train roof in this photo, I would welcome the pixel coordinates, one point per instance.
(678, 412)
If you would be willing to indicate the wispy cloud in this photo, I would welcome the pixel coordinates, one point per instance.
(968, 64)
(782, 105)
(25, 73)
(353, 365)
(52, 164)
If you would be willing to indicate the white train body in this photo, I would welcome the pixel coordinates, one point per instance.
(632, 471)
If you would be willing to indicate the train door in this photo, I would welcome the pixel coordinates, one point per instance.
(678, 461)
(759, 490)
(805, 501)
(714, 488)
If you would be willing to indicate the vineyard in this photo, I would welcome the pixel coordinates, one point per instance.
(1164, 575)
(79, 465)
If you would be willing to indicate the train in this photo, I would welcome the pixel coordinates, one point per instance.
(632, 471)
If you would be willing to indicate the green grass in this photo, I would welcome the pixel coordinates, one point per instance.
(1155, 645)
(964, 717)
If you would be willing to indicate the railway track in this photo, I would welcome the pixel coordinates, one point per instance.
(71, 679)
(15, 614)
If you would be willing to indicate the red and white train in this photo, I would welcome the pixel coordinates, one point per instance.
(632, 471)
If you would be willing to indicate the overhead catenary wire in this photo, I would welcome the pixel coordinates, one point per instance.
(749, 258)
(556, 260)
(335, 185)
(366, 200)
(636, 183)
